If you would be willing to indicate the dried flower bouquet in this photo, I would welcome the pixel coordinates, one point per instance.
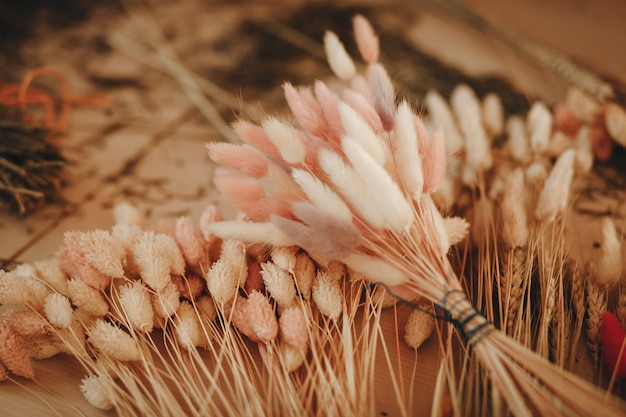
(281, 301)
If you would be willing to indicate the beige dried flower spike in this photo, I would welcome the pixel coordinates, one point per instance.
(127, 214)
(293, 328)
(59, 310)
(418, 328)
(327, 295)
(192, 248)
(48, 270)
(97, 391)
(493, 114)
(103, 251)
(87, 299)
(255, 317)
(114, 342)
(279, 283)
(26, 323)
(135, 301)
(609, 266)
(166, 301)
(12, 354)
(304, 273)
(554, 196)
(20, 287)
(615, 119)
(157, 256)
(468, 111)
(189, 331)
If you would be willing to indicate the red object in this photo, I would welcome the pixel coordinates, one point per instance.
(613, 336)
(601, 142)
(23, 94)
(565, 121)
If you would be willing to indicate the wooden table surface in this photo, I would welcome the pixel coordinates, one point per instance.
(148, 148)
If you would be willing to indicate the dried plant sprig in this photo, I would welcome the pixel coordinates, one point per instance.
(327, 295)
(72, 261)
(26, 323)
(279, 283)
(103, 251)
(21, 287)
(553, 199)
(59, 310)
(96, 391)
(135, 301)
(87, 299)
(478, 156)
(255, 317)
(596, 304)
(292, 324)
(113, 341)
(418, 328)
(12, 354)
(609, 266)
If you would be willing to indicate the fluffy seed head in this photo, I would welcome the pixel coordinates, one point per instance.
(190, 245)
(113, 341)
(540, 127)
(222, 281)
(366, 39)
(189, 332)
(406, 152)
(26, 323)
(615, 119)
(166, 302)
(418, 328)
(304, 273)
(477, 147)
(493, 114)
(59, 310)
(356, 127)
(87, 299)
(12, 353)
(286, 139)
(255, 318)
(389, 197)
(554, 196)
(97, 390)
(103, 251)
(290, 357)
(48, 270)
(279, 283)
(514, 222)
(338, 59)
(293, 328)
(327, 295)
(609, 267)
(20, 287)
(126, 214)
(136, 303)
(441, 117)
(284, 257)
(518, 142)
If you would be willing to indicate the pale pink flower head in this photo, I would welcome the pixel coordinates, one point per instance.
(366, 39)
(255, 317)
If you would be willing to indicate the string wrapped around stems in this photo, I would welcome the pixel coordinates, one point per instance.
(352, 181)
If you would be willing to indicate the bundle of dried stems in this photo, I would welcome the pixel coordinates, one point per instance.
(278, 312)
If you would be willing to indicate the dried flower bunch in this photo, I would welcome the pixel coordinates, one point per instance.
(278, 312)
(196, 320)
(352, 181)
(31, 168)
